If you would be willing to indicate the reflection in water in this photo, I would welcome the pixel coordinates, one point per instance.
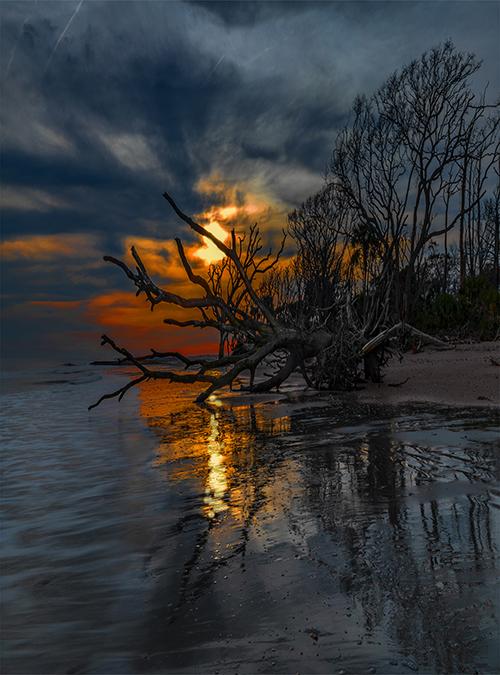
(385, 540)
(216, 482)
(266, 538)
(416, 542)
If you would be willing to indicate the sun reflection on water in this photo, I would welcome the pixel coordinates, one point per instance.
(216, 485)
(215, 445)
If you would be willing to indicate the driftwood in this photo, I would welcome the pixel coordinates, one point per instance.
(401, 327)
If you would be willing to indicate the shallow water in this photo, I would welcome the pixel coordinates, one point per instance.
(158, 536)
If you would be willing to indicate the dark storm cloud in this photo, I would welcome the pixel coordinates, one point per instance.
(104, 105)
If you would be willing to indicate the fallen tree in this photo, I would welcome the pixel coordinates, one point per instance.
(230, 302)
(258, 323)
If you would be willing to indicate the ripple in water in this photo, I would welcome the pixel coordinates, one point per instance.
(158, 536)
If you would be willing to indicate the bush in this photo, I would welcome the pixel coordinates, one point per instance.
(473, 312)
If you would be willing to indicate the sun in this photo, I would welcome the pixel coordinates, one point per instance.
(209, 252)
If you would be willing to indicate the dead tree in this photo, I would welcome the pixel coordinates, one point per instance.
(345, 286)
(404, 163)
(229, 302)
(321, 229)
(481, 240)
(490, 237)
(256, 307)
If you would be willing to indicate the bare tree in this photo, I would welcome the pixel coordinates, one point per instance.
(490, 238)
(404, 164)
(230, 302)
(321, 229)
(481, 239)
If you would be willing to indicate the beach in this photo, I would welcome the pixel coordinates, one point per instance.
(465, 375)
(288, 533)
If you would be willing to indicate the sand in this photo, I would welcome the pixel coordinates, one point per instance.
(463, 376)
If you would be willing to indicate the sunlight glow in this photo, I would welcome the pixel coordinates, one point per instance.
(240, 206)
(216, 486)
(209, 252)
(199, 444)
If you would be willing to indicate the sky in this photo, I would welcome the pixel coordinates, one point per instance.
(231, 107)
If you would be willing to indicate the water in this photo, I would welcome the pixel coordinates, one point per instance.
(158, 536)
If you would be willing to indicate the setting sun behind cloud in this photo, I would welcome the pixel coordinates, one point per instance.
(209, 252)
(241, 206)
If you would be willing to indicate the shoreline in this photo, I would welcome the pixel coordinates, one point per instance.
(465, 376)
(468, 375)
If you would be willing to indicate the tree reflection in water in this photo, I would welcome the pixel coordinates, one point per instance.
(302, 543)
(411, 527)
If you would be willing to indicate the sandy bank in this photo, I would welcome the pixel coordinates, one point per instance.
(464, 376)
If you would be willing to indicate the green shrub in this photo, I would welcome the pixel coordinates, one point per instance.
(473, 312)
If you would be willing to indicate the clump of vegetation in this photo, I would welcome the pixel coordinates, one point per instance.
(474, 311)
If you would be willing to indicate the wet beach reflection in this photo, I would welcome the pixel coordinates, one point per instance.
(318, 536)
(320, 546)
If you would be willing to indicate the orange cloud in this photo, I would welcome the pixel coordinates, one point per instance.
(241, 203)
(237, 206)
(129, 319)
(161, 259)
(46, 247)
(159, 255)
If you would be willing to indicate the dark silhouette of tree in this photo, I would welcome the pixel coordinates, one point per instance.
(415, 162)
